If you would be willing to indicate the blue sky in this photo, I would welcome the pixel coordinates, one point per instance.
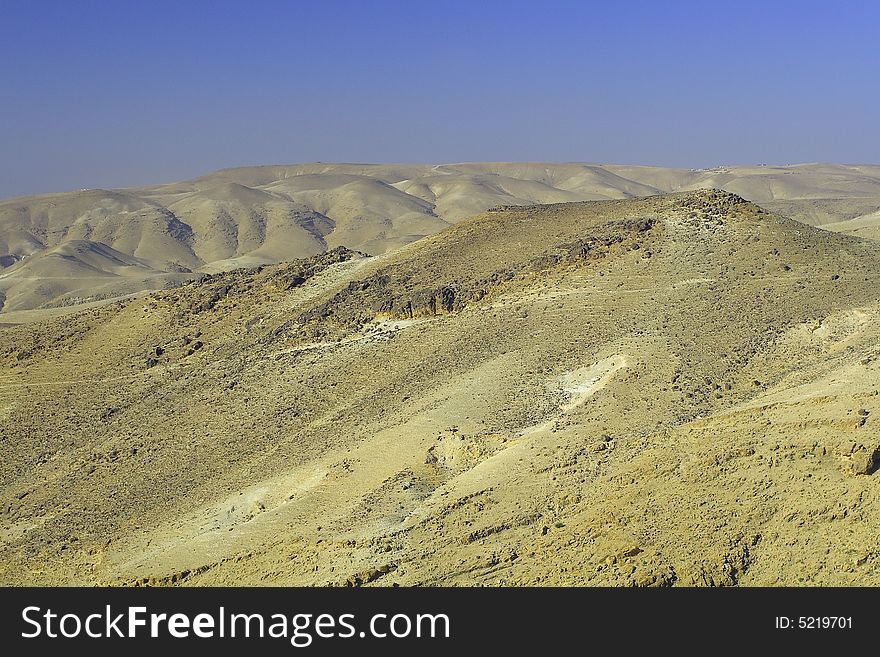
(108, 94)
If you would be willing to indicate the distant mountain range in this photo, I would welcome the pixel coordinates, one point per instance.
(74, 247)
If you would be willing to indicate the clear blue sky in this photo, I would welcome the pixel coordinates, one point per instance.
(104, 94)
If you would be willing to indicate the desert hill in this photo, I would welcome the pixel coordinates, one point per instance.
(81, 270)
(260, 215)
(674, 390)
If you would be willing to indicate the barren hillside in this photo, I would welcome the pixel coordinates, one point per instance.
(673, 390)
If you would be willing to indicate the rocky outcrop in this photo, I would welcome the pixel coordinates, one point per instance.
(391, 293)
(203, 295)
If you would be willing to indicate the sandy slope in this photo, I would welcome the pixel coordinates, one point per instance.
(258, 215)
(671, 391)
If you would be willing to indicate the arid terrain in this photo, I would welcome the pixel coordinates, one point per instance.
(93, 244)
(670, 390)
